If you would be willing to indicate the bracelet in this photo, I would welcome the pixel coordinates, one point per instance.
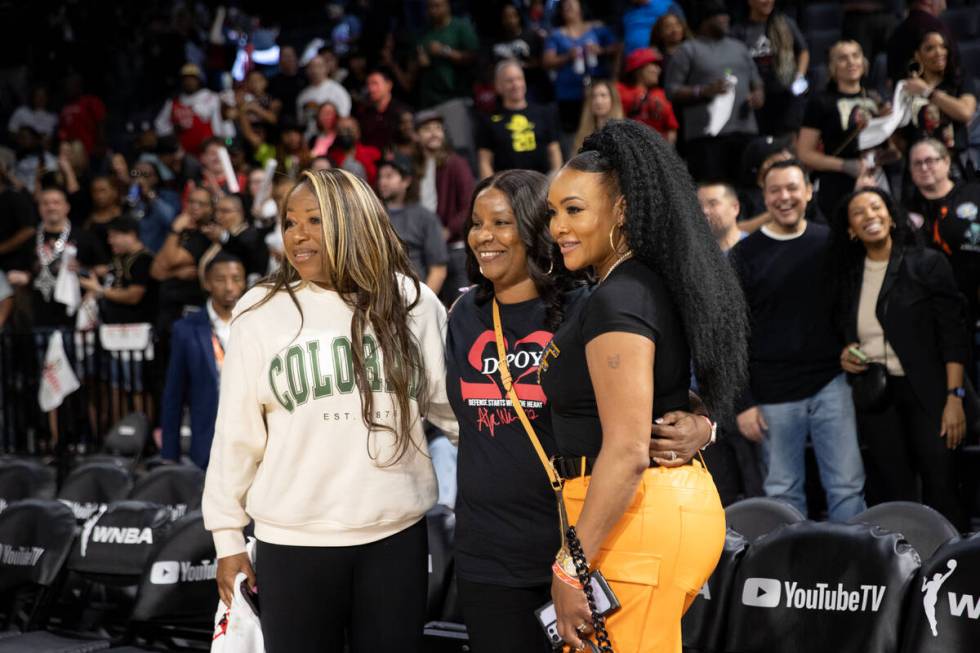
(563, 577)
(564, 560)
(714, 432)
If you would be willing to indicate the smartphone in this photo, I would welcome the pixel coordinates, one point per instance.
(605, 603)
(858, 354)
(251, 598)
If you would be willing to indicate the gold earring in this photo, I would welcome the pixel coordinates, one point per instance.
(611, 243)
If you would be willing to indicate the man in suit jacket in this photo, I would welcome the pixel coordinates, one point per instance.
(197, 353)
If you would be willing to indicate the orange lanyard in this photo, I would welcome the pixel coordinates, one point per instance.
(219, 351)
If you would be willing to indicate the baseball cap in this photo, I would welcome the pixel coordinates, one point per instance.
(428, 115)
(641, 57)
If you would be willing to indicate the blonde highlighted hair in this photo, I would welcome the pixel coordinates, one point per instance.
(587, 123)
(363, 259)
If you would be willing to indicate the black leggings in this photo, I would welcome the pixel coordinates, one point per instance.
(903, 442)
(502, 618)
(309, 596)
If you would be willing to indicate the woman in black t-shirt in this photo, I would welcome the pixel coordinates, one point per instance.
(507, 528)
(626, 208)
(948, 213)
(943, 102)
(828, 142)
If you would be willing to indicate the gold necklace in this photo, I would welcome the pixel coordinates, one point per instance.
(624, 257)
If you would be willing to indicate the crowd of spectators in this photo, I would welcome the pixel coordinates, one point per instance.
(147, 149)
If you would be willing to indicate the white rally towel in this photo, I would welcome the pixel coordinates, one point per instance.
(237, 629)
(58, 379)
(878, 130)
(721, 107)
(66, 288)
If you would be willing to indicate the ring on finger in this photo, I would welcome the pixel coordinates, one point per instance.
(582, 627)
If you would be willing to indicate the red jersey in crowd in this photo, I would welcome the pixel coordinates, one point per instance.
(649, 106)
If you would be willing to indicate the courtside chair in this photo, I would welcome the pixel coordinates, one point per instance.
(923, 527)
(752, 518)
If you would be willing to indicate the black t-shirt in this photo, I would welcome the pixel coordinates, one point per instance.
(518, 139)
(838, 117)
(16, 212)
(794, 348)
(126, 271)
(952, 224)
(46, 311)
(929, 122)
(507, 521)
(101, 232)
(633, 299)
(177, 293)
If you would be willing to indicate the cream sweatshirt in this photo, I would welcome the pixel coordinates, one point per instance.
(291, 450)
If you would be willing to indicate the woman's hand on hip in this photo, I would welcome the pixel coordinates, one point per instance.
(228, 568)
(954, 422)
(572, 610)
(677, 437)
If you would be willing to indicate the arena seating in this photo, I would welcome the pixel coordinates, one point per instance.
(92, 485)
(145, 581)
(178, 487)
(943, 613)
(821, 587)
(25, 478)
(921, 526)
(758, 516)
(124, 443)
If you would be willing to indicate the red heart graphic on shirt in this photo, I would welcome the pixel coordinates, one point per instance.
(531, 346)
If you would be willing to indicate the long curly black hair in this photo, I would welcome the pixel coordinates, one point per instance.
(666, 229)
(527, 192)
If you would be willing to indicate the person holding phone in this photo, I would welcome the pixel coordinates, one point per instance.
(665, 300)
(319, 439)
(903, 317)
(507, 528)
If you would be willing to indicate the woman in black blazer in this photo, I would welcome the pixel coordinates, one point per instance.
(899, 306)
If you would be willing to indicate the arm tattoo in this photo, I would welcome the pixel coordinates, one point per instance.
(613, 361)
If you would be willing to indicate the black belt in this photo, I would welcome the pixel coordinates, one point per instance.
(571, 467)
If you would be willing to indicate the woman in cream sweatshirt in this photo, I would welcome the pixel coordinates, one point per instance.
(319, 436)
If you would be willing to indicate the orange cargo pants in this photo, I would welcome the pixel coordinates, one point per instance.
(658, 555)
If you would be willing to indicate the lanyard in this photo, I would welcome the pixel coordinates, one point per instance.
(219, 351)
(505, 377)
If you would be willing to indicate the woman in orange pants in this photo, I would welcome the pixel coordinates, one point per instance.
(625, 207)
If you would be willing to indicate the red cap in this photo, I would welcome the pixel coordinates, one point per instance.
(641, 57)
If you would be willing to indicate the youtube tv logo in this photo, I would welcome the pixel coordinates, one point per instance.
(761, 592)
(165, 573)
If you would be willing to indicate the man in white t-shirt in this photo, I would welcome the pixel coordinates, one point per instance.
(35, 115)
(321, 89)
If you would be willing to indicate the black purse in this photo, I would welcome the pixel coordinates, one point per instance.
(870, 389)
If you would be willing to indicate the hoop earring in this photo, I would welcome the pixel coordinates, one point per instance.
(611, 243)
(551, 267)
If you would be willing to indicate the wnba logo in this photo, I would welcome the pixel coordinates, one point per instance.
(958, 603)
